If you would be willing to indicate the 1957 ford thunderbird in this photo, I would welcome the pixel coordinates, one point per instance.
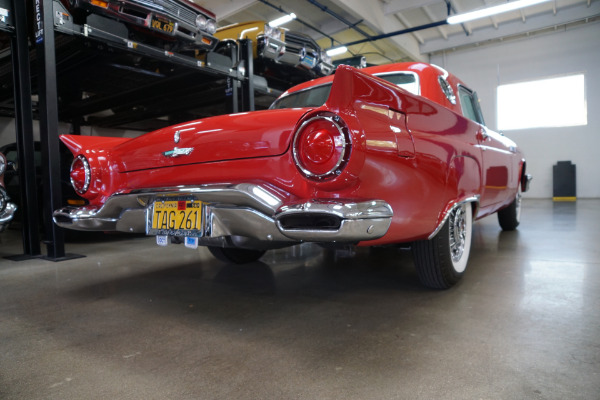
(394, 154)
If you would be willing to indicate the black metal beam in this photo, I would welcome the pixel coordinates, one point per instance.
(351, 25)
(396, 33)
(48, 108)
(248, 82)
(24, 129)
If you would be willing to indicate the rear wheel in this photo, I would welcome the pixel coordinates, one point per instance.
(510, 217)
(235, 255)
(441, 261)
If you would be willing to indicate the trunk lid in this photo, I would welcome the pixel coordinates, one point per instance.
(222, 138)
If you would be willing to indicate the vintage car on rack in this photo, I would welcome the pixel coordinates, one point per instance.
(304, 52)
(388, 155)
(176, 21)
(7, 209)
(267, 42)
(282, 56)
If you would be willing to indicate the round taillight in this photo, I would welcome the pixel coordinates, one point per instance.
(80, 174)
(322, 146)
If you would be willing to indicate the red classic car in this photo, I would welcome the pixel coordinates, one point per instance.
(385, 155)
(7, 209)
(171, 19)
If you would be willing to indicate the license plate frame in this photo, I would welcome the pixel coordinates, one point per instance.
(176, 216)
(163, 25)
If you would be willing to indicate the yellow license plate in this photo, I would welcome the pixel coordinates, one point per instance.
(176, 218)
(162, 25)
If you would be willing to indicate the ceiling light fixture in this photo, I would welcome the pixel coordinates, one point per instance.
(489, 11)
(282, 20)
(336, 51)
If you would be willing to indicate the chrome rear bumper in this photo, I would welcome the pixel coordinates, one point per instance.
(258, 212)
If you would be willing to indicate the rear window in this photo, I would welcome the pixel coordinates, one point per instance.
(317, 96)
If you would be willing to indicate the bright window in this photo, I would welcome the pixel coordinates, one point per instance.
(544, 103)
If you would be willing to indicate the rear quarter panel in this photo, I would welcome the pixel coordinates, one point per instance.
(421, 164)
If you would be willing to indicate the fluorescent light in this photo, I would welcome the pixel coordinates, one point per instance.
(282, 20)
(336, 51)
(486, 12)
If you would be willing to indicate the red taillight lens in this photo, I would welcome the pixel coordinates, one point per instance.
(80, 174)
(322, 146)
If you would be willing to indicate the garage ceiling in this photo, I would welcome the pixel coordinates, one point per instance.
(345, 21)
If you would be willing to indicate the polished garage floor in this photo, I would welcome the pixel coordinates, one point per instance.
(136, 321)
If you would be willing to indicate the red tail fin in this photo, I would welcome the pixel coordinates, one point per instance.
(76, 143)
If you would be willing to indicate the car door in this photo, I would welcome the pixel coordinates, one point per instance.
(496, 152)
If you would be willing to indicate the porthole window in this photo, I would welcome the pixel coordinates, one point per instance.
(447, 89)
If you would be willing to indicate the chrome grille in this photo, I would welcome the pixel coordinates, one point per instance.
(171, 8)
(297, 42)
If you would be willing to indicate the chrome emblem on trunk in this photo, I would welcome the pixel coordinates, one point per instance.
(176, 152)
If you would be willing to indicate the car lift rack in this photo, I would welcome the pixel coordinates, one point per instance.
(51, 13)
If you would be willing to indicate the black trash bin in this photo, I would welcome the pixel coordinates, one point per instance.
(564, 181)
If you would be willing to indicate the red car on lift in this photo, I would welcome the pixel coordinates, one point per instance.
(385, 155)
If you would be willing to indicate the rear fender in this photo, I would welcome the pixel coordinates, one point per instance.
(96, 150)
(462, 186)
(78, 144)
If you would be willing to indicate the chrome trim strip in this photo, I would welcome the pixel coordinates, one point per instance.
(244, 210)
(346, 145)
(87, 172)
(474, 199)
(272, 48)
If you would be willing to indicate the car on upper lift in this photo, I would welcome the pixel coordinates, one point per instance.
(388, 155)
(181, 23)
(284, 57)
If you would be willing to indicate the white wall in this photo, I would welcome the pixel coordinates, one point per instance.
(562, 52)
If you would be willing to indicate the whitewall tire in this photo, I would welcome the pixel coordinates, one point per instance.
(442, 260)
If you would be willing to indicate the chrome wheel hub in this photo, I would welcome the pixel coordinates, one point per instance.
(458, 233)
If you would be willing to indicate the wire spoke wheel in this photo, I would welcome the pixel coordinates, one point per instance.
(441, 261)
(458, 234)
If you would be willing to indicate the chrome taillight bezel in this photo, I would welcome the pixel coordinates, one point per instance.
(87, 174)
(346, 147)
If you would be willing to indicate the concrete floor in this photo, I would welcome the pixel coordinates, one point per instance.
(136, 321)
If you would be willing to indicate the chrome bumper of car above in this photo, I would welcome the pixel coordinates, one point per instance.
(7, 215)
(325, 68)
(258, 212)
(272, 49)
